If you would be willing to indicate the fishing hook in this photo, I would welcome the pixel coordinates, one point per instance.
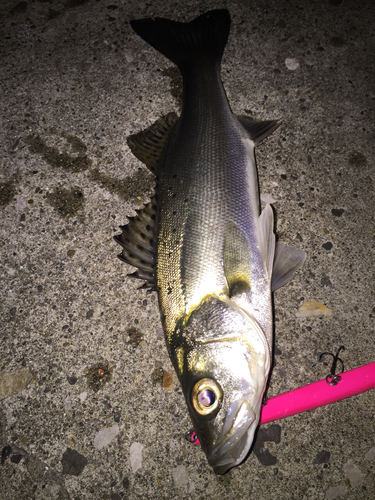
(192, 437)
(334, 378)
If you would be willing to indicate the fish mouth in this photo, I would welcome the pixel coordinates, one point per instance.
(235, 438)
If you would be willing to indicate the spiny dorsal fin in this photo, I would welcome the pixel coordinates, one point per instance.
(138, 239)
(267, 238)
(149, 145)
(236, 260)
(258, 131)
(287, 261)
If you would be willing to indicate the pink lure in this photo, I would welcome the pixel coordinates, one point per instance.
(314, 395)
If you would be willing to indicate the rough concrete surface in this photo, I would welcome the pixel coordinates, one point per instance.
(91, 408)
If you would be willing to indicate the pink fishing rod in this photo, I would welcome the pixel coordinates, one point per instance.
(319, 393)
(333, 388)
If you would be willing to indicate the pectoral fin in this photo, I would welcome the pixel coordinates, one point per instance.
(149, 145)
(236, 260)
(287, 261)
(258, 131)
(267, 238)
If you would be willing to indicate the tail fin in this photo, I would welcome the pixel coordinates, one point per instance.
(205, 36)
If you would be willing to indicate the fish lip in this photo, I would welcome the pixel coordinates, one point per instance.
(234, 440)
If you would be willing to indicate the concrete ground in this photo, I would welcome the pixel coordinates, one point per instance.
(90, 406)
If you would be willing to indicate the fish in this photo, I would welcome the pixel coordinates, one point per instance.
(203, 243)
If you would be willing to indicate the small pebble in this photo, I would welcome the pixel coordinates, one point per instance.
(105, 436)
(313, 308)
(68, 402)
(83, 396)
(20, 204)
(267, 198)
(370, 455)
(129, 57)
(168, 380)
(353, 473)
(291, 63)
(136, 456)
(180, 477)
(335, 492)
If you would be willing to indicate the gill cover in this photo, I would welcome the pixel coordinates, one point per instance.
(222, 359)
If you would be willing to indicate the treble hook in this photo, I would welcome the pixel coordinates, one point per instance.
(192, 437)
(334, 378)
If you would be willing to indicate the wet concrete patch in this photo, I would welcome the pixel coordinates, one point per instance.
(176, 85)
(131, 188)
(157, 374)
(98, 375)
(7, 192)
(135, 336)
(19, 8)
(272, 434)
(76, 143)
(5, 453)
(58, 159)
(357, 159)
(68, 202)
(71, 4)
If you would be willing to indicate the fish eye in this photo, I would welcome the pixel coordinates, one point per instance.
(206, 396)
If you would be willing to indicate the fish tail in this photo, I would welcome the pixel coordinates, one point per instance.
(204, 38)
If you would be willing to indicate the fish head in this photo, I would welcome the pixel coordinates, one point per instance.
(223, 367)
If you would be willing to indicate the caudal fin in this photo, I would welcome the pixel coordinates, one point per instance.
(204, 37)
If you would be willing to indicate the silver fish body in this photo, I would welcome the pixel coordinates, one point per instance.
(203, 244)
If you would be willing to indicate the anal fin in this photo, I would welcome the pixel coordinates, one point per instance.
(287, 261)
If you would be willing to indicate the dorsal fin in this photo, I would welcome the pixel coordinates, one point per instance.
(236, 260)
(149, 145)
(138, 239)
(256, 130)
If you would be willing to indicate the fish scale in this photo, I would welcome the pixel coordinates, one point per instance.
(202, 249)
